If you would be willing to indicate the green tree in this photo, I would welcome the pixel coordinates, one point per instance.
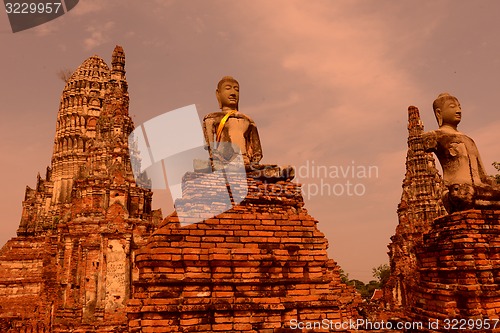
(366, 290)
(344, 277)
(497, 166)
(382, 273)
(370, 288)
(361, 288)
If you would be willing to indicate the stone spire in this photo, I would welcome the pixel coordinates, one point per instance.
(83, 222)
(79, 110)
(420, 205)
(108, 159)
(118, 64)
(114, 125)
(91, 139)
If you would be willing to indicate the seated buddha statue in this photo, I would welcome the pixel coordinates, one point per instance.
(468, 185)
(230, 133)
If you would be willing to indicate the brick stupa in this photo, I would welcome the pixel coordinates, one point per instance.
(71, 265)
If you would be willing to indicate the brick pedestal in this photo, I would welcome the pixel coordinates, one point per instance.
(459, 269)
(254, 268)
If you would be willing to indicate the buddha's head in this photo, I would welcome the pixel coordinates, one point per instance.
(228, 93)
(447, 110)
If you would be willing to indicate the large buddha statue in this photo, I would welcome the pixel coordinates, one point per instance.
(468, 185)
(229, 133)
(231, 126)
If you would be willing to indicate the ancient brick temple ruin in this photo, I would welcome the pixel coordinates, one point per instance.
(459, 270)
(91, 256)
(420, 205)
(444, 267)
(71, 264)
(259, 267)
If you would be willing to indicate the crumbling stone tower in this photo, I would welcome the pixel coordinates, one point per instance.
(420, 205)
(72, 264)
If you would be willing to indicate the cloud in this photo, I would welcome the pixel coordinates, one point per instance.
(89, 6)
(46, 29)
(165, 3)
(345, 52)
(339, 57)
(98, 35)
(335, 93)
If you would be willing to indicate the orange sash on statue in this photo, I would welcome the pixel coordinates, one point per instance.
(222, 123)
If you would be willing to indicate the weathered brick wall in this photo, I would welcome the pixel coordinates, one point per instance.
(459, 268)
(251, 269)
(27, 284)
(79, 279)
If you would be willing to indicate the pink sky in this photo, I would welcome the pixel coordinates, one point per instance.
(327, 82)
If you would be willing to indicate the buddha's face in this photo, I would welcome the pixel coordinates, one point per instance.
(229, 95)
(450, 112)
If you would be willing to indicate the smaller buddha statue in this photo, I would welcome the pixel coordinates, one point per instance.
(468, 185)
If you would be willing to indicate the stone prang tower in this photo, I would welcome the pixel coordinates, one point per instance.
(420, 205)
(72, 263)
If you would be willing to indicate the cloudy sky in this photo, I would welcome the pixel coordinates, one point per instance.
(327, 82)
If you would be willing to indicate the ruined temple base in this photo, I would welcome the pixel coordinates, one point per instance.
(459, 270)
(26, 270)
(258, 267)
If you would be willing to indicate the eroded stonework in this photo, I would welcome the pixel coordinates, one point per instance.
(71, 266)
(444, 268)
(420, 205)
(459, 269)
(85, 258)
(259, 267)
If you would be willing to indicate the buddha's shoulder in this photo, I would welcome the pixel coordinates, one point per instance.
(444, 138)
(450, 135)
(429, 134)
(215, 116)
